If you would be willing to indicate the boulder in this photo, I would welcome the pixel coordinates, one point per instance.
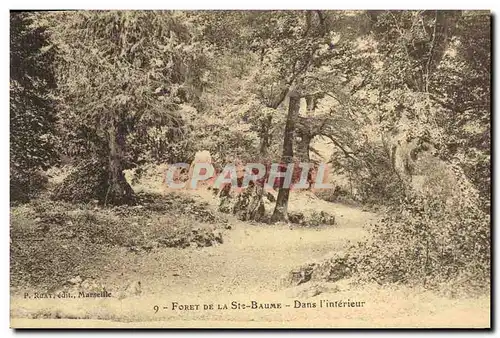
(309, 290)
(333, 269)
(313, 220)
(319, 218)
(133, 289)
(247, 205)
(296, 217)
(298, 276)
(75, 281)
(203, 156)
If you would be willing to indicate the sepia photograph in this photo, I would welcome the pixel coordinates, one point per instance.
(250, 169)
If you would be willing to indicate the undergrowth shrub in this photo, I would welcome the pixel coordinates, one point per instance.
(26, 185)
(434, 236)
(437, 237)
(52, 241)
(87, 182)
(337, 195)
(372, 176)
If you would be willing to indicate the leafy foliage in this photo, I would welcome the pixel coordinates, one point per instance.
(123, 87)
(403, 96)
(55, 241)
(438, 236)
(464, 88)
(33, 144)
(372, 175)
(87, 182)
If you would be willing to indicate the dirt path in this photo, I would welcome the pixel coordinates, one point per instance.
(252, 258)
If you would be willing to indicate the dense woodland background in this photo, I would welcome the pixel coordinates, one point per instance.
(404, 96)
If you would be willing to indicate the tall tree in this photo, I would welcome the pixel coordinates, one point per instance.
(305, 47)
(281, 209)
(462, 90)
(287, 46)
(32, 113)
(123, 74)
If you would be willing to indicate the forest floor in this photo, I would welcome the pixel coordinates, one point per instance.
(247, 267)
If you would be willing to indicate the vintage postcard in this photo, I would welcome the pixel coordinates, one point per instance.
(250, 169)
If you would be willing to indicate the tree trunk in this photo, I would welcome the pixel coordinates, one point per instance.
(303, 147)
(310, 103)
(119, 191)
(281, 210)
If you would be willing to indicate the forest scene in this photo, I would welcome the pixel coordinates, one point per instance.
(389, 109)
